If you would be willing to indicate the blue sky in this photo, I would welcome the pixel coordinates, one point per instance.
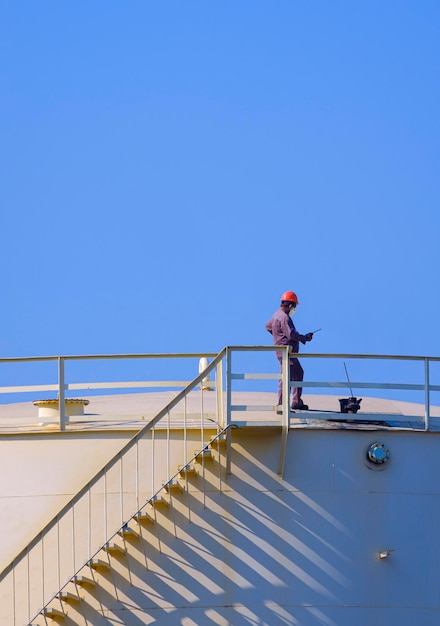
(170, 168)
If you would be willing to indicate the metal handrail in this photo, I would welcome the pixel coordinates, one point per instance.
(85, 357)
(146, 384)
(63, 386)
(52, 528)
(128, 446)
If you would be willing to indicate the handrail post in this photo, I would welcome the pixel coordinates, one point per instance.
(286, 388)
(427, 399)
(219, 393)
(228, 408)
(285, 379)
(61, 396)
(228, 386)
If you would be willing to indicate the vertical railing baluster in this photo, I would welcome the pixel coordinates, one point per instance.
(286, 388)
(228, 408)
(152, 460)
(61, 394)
(285, 374)
(228, 385)
(105, 507)
(58, 553)
(121, 490)
(73, 539)
(42, 570)
(219, 394)
(168, 445)
(170, 489)
(14, 612)
(185, 456)
(202, 418)
(202, 428)
(137, 475)
(427, 395)
(89, 521)
(28, 585)
(185, 441)
(219, 427)
(220, 459)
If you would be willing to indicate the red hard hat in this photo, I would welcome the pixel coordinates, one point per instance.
(289, 296)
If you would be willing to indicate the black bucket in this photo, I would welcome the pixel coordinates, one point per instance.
(350, 405)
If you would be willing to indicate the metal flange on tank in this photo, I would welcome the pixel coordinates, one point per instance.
(378, 453)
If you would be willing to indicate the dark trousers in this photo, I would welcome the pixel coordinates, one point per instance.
(296, 374)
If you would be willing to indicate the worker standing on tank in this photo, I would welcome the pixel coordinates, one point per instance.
(284, 333)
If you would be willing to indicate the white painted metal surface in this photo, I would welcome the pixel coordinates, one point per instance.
(337, 540)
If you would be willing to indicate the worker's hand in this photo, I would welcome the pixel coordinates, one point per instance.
(309, 336)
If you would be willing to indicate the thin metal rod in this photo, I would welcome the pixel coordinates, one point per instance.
(89, 522)
(185, 452)
(168, 445)
(73, 539)
(219, 394)
(29, 586)
(152, 461)
(202, 429)
(137, 474)
(58, 555)
(228, 408)
(219, 454)
(61, 398)
(121, 491)
(228, 385)
(185, 431)
(202, 416)
(42, 570)
(105, 508)
(13, 598)
(348, 379)
(285, 366)
(427, 398)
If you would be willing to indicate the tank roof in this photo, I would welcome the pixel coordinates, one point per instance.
(132, 411)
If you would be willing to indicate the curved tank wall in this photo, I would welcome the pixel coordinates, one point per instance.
(337, 541)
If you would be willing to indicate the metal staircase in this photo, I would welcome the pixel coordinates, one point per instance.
(81, 599)
(81, 543)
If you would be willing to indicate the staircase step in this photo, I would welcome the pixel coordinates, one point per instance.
(84, 581)
(114, 548)
(99, 564)
(54, 613)
(187, 470)
(201, 455)
(220, 442)
(173, 485)
(144, 518)
(128, 532)
(158, 502)
(67, 596)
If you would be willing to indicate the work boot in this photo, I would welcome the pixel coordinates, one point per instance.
(300, 406)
